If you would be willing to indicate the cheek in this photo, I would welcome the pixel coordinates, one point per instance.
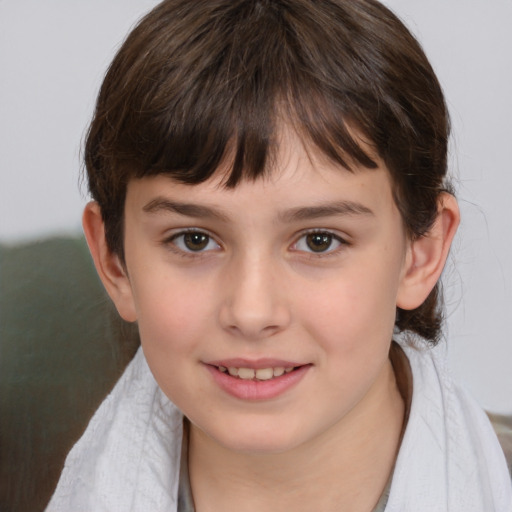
(353, 311)
(352, 324)
(172, 315)
(174, 321)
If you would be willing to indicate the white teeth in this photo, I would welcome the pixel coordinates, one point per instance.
(259, 374)
(246, 373)
(264, 373)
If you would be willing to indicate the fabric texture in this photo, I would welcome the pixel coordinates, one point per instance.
(129, 457)
(450, 459)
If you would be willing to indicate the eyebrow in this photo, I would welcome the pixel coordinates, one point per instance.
(325, 210)
(187, 209)
(293, 215)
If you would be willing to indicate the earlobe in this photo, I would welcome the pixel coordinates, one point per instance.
(427, 255)
(108, 265)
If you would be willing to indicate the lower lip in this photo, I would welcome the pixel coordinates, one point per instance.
(257, 389)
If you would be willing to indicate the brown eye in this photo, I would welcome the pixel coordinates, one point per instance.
(196, 241)
(319, 242)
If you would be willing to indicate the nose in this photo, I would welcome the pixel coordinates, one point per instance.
(255, 304)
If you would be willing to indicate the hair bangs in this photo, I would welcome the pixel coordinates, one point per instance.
(186, 122)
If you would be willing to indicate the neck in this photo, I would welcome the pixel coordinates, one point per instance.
(347, 467)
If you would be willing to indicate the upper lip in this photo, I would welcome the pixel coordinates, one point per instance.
(255, 364)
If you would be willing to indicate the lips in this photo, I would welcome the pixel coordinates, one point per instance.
(257, 380)
(260, 369)
(258, 374)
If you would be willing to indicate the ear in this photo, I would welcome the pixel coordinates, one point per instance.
(111, 270)
(427, 255)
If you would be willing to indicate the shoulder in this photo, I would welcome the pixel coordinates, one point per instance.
(448, 443)
(134, 435)
(460, 410)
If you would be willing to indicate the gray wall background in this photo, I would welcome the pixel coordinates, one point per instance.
(53, 54)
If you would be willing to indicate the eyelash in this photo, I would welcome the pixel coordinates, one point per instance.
(170, 243)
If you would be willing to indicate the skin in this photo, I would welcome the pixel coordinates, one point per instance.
(253, 288)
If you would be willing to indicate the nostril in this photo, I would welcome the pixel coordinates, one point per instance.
(254, 331)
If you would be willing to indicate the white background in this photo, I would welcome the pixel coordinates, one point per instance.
(53, 54)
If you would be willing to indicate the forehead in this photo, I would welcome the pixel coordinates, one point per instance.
(299, 178)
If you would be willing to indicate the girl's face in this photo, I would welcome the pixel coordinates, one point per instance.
(289, 283)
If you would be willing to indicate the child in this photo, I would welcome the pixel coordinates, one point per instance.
(271, 208)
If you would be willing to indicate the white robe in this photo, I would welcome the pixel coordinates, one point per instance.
(129, 457)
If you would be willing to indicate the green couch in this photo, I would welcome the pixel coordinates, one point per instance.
(62, 348)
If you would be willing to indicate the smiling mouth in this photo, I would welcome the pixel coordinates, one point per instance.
(256, 374)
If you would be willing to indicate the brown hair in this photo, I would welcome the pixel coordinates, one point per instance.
(198, 80)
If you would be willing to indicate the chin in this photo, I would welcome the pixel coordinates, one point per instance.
(258, 438)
